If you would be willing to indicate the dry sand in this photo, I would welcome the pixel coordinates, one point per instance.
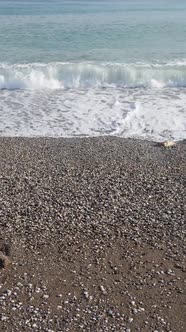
(95, 232)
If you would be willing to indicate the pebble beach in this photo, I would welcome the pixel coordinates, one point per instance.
(92, 235)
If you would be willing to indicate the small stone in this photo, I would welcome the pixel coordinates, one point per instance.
(110, 313)
(103, 290)
(3, 318)
(45, 296)
(59, 307)
(86, 294)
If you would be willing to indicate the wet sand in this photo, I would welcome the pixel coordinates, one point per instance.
(95, 232)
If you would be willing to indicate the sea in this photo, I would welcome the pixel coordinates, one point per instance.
(73, 68)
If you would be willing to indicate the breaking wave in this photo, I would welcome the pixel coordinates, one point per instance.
(84, 75)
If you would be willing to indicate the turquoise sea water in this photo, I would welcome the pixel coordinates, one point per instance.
(93, 68)
(89, 30)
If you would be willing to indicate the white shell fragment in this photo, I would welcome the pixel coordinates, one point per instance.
(169, 144)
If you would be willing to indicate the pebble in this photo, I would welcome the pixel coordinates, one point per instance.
(100, 216)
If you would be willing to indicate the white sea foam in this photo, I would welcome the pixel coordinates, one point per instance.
(76, 99)
(156, 114)
(85, 75)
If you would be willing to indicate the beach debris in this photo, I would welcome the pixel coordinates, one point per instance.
(5, 261)
(168, 144)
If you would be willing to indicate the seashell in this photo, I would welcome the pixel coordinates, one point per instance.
(169, 144)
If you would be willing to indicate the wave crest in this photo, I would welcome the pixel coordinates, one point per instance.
(86, 75)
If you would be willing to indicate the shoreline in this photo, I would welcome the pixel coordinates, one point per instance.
(96, 231)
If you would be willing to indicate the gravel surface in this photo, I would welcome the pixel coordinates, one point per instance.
(92, 235)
